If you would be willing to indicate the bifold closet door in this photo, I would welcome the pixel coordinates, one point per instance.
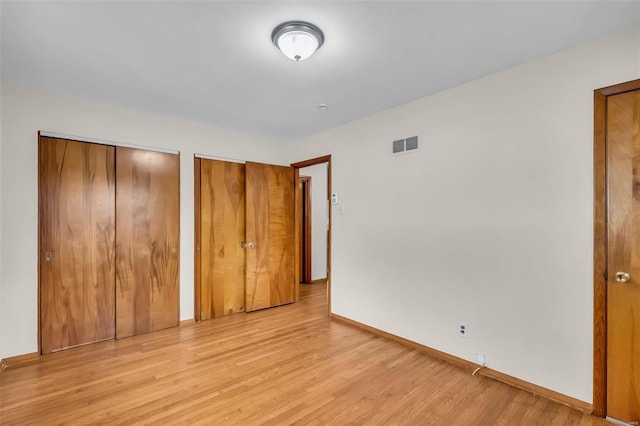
(253, 203)
(147, 237)
(270, 236)
(222, 231)
(77, 231)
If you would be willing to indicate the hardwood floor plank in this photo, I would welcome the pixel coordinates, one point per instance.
(286, 365)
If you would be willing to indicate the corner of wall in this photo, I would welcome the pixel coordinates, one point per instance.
(2, 289)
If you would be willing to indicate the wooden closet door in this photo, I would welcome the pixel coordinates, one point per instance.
(270, 273)
(147, 236)
(222, 231)
(77, 213)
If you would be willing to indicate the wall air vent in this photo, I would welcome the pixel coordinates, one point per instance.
(405, 146)
(398, 146)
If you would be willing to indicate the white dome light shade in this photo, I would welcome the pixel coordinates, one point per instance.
(297, 45)
(297, 40)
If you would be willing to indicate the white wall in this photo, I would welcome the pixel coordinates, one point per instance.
(490, 224)
(24, 112)
(3, 333)
(319, 213)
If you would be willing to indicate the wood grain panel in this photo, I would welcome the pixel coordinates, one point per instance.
(623, 331)
(314, 372)
(222, 230)
(147, 235)
(270, 273)
(297, 260)
(77, 201)
(304, 188)
(599, 255)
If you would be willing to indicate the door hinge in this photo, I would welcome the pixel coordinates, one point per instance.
(606, 275)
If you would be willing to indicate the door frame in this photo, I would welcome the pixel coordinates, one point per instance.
(305, 223)
(197, 185)
(600, 195)
(296, 169)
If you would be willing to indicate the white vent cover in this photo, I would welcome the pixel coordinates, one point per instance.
(405, 146)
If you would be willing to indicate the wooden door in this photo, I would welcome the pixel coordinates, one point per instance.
(147, 240)
(270, 235)
(77, 230)
(222, 231)
(623, 324)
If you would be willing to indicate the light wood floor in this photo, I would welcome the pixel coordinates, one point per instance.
(279, 366)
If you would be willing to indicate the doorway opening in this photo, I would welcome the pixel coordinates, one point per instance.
(313, 222)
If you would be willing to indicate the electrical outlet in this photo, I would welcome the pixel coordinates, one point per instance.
(463, 329)
(481, 358)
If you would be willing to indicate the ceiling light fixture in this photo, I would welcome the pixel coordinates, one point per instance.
(297, 39)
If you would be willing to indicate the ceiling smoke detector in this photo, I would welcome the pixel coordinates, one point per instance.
(297, 40)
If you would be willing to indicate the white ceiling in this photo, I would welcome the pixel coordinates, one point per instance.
(214, 62)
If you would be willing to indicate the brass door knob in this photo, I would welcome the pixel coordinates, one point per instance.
(622, 277)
